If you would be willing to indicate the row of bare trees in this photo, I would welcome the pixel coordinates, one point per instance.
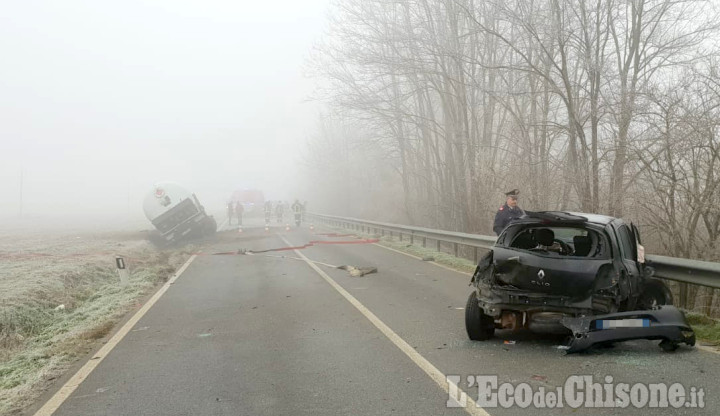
(435, 107)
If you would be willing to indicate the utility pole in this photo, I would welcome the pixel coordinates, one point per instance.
(22, 184)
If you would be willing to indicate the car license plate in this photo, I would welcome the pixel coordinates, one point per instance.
(622, 323)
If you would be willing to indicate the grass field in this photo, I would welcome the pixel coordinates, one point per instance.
(59, 294)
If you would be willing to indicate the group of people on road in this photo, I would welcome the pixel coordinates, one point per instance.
(280, 207)
(235, 209)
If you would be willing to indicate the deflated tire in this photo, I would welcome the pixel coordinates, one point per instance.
(479, 326)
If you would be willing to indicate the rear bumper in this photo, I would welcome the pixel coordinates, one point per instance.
(494, 301)
(665, 323)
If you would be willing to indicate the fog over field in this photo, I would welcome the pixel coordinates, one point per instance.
(99, 100)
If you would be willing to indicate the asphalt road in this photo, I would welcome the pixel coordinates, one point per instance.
(268, 335)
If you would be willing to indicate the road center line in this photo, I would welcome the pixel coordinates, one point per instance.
(69, 387)
(436, 375)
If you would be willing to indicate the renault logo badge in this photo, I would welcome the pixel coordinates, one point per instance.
(541, 274)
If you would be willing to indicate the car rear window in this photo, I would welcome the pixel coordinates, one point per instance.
(575, 242)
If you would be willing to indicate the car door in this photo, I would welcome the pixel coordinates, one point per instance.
(628, 252)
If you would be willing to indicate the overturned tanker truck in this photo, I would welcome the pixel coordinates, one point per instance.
(577, 274)
(177, 214)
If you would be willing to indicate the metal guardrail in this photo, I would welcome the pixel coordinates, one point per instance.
(414, 234)
(696, 272)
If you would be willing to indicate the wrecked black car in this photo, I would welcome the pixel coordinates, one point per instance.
(574, 274)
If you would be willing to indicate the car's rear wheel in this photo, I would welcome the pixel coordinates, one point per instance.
(480, 327)
(655, 293)
(668, 346)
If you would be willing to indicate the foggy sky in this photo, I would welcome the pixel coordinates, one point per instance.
(99, 100)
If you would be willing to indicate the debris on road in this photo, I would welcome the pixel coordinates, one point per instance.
(428, 258)
(666, 323)
(354, 271)
(512, 342)
(358, 271)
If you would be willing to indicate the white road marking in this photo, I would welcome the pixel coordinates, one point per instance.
(68, 388)
(436, 375)
(420, 258)
(706, 348)
(222, 224)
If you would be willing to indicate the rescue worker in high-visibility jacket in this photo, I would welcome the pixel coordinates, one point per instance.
(508, 212)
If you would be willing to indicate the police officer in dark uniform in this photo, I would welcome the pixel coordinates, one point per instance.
(508, 212)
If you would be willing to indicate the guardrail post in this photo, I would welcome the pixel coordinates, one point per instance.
(438, 245)
(400, 234)
(475, 255)
(683, 295)
(455, 249)
(424, 241)
(412, 238)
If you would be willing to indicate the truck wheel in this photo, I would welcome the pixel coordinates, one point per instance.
(655, 293)
(210, 226)
(157, 239)
(480, 327)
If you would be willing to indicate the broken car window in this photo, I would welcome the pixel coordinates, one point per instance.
(557, 241)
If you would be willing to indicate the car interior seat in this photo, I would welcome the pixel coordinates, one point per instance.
(582, 245)
(524, 241)
(545, 237)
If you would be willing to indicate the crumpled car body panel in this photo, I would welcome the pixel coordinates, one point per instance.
(666, 323)
(572, 291)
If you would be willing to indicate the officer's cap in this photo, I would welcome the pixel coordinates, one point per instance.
(513, 194)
